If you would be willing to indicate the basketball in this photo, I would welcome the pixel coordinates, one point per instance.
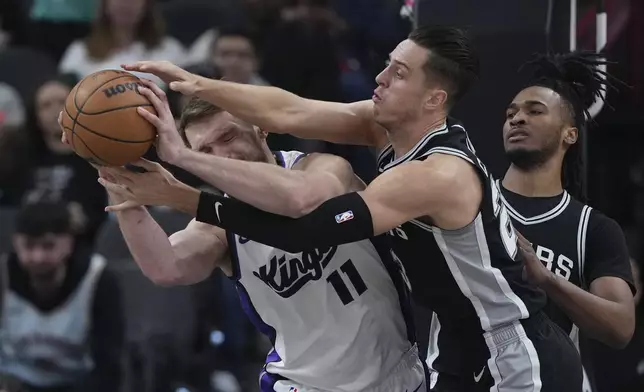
(100, 119)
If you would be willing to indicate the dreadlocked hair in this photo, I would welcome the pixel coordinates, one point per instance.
(577, 78)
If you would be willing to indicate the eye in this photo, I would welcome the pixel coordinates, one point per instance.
(228, 137)
(536, 112)
(399, 74)
(205, 149)
(509, 114)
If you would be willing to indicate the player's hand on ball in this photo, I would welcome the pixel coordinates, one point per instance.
(177, 79)
(63, 137)
(533, 271)
(169, 143)
(130, 189)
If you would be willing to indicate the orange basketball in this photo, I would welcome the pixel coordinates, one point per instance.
(100, 119)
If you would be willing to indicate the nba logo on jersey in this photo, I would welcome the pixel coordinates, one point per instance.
(292, 389)
(343, 217)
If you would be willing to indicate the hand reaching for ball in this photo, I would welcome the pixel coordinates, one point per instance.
(177, 79)
(128, 189)
(169, 143)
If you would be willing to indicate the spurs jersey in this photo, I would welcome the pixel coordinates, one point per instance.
(337, 317)
(574, 242)
(469, 277)
(48, 348)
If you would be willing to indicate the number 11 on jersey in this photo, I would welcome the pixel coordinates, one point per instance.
(338, 282)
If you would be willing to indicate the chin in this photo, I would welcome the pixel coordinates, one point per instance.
(525, 158)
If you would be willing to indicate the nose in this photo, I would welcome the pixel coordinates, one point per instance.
(380, 78)
(518, 119)
(38, 256)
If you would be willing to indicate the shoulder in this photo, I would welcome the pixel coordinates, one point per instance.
(75, 52)
(603, 228)
(450, 171)
(172, 50)
(334, 165)
(321, 161)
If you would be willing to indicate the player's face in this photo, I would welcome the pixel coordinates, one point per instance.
(42, 257)
(125, 13)
(403, 90)
(227, 136)
(536, 128)
(235, 57)
(50, 100)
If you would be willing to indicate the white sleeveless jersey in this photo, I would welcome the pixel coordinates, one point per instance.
(334, 315)
(47, 349)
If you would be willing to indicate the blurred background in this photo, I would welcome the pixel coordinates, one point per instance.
(197, 338)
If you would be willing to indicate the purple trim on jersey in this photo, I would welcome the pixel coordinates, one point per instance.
(267, 381)
(254, 317)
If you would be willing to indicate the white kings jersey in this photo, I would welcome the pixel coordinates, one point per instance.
(48, 349)
(335, 316)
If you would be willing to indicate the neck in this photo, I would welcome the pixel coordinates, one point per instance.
(123, 37)
(406, 137)
(45, 288)
(541, 181)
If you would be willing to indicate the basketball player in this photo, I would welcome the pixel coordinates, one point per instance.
(434, 197)
(580, 257)
(335, 314)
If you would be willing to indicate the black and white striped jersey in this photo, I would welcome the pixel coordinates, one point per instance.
(471, 277)
(575, 242)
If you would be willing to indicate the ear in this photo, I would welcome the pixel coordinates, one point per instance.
(570, 135)
(436, 99)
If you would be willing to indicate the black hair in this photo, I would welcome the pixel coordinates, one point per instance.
(579, 81)
(234, 30)
(37, 219)
(452, 58)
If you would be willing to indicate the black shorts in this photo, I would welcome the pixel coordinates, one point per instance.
(527, 356)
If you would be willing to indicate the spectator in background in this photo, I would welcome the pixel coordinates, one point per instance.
(62, 324)
(15, 152)
(125, 31)
(58, 174)
(234, 54)
(54, 24)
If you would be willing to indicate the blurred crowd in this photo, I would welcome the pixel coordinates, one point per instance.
(151, 338)
(154, 339)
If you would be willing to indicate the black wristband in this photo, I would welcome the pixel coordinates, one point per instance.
(337, 221)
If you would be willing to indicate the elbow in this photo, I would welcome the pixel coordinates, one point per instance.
(165, 280)
(167, 277)
(621, 335)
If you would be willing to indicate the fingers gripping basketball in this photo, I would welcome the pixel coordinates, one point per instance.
(100, 119)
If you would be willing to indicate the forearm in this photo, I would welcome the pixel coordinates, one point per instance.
(267, 107)
(340, 220)
(148, 244)
(597, 317)
(265, 186)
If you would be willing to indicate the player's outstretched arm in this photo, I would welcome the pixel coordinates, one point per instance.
(314, 179)
(274, 109)
(186, 257)
(413, 190)
(606, 311)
